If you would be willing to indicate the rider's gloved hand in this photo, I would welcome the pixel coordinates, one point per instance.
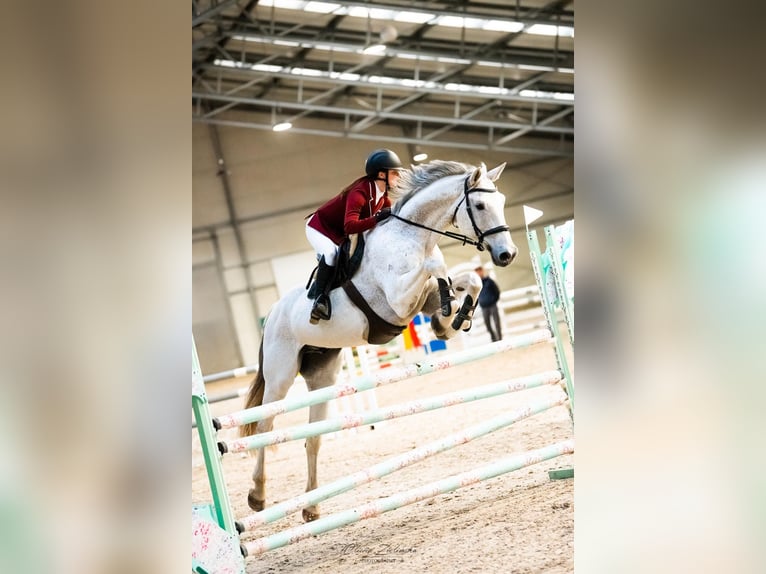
(382, 214)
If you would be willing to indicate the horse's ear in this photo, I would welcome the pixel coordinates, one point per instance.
(476, 175)
(494, 175)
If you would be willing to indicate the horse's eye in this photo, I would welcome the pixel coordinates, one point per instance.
(480, 206)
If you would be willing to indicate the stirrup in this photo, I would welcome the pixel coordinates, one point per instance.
(321, 310)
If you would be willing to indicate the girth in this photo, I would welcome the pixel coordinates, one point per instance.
(381, 331)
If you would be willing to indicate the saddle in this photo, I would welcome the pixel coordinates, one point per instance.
(347, 264)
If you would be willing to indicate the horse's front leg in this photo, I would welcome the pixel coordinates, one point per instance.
(435, 266)
(405, 294)
(467, 287)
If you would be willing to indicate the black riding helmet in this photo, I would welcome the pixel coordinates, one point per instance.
(381, 160)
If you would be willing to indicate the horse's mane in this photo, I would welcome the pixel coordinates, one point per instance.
(421, 176)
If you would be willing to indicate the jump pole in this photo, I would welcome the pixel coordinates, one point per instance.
(380, 378)
(283, 509)
(391, 412)
(231, 373)
(384, 505)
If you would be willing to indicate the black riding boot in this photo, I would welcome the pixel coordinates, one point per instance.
(322, 308)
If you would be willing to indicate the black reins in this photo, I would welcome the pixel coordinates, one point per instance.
(480, 235)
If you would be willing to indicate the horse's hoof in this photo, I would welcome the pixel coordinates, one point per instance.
(309, 516)
(254, 503)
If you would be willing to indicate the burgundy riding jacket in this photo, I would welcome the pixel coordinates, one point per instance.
(351, 211)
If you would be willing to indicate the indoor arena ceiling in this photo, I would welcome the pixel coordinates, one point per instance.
(489, 75)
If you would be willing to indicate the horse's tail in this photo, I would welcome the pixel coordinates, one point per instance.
(254, 395)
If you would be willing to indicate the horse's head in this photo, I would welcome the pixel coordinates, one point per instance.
(484, 212)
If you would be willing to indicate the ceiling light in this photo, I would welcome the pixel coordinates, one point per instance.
(307, 72)
(374, 49)
(321, 7)
(282, 126)
(420, 156)
(388, 34)
(551, 30)
(502, 26)
(266, 68)
(567, 96)
(460, 22)
(414, 17)
(373, 13)
(286, 4)
(403, 82)
(421, 17)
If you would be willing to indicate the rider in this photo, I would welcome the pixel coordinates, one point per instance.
(359, 207)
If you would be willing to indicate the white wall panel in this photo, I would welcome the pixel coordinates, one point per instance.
(261, 274)
(202, 252)
(293, 270)
(244, 324)
(235, 280)
(266, 298)
(227, 243)
(275, 236)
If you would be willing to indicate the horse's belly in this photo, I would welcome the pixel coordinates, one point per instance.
(346, 328)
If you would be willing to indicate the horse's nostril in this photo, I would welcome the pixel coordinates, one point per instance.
(507, 256)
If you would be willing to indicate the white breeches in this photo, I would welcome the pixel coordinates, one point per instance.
(322, 244)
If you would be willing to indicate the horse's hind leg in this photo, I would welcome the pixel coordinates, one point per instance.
(276, 376)
(319, 370)
(256, 497)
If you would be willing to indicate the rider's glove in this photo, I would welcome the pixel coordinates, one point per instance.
(382, 214)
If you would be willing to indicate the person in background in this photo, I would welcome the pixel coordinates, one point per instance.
(359, 207)
(488, 298)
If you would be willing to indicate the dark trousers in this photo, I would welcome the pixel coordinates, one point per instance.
(492, 321)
